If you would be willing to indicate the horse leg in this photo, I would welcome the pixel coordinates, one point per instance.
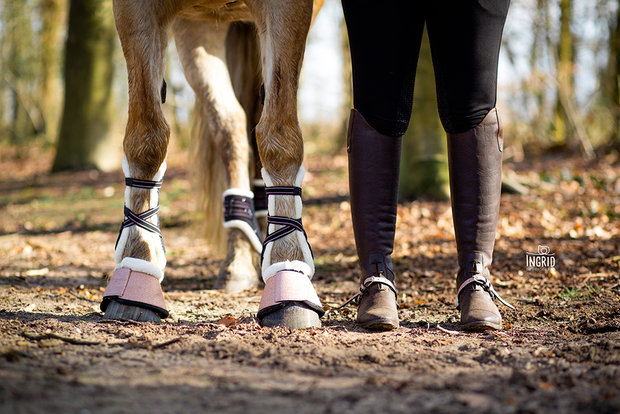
(134, 290)
(243, 60)
(202, 48)
(289, 298)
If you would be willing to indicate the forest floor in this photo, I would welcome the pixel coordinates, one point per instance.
(559, 351)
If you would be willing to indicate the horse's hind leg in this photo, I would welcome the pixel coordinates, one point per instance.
(289, 298)
(243, 60)
(134, 290)
(223, 142)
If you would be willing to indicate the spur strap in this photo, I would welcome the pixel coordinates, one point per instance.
(485, 283)
(369, 281)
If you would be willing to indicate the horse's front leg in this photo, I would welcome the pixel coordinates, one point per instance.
(134, 290)
(289, 299)
(222, 144)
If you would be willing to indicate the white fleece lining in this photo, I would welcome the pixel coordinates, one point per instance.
(302, 242)
(295, 265)
(152, 240)
(247, 230)
(238, 191)
(143, 266)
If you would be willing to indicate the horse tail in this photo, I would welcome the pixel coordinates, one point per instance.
(209, 170)
(209, 178)
(244, 65)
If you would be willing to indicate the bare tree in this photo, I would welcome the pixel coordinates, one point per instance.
(52, 27)
(19, 69)
(614, 76)
(565, 67)
(424, 167)
(85, 132)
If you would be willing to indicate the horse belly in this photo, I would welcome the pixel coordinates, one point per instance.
(217, 10)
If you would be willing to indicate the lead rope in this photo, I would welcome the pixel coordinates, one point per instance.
(140, 219)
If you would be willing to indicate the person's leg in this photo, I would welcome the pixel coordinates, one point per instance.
(384, 38)
(465, 39)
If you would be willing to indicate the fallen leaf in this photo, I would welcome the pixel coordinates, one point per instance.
(227, 321)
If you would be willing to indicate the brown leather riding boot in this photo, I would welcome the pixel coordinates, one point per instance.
(475, 161)
(374, 161)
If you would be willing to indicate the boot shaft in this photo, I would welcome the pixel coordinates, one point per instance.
(475, 164)
(374, 161)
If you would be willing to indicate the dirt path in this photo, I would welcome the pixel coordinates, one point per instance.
(560, 351)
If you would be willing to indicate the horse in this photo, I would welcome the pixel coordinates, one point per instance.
(242, 59)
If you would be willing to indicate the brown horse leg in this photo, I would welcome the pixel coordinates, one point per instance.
(202, 49)
(133, 291)
(243, 60)
(289, 298)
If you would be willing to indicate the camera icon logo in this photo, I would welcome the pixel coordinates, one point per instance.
(543, 249)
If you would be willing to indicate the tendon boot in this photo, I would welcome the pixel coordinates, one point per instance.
(374, 161)
(475, 161)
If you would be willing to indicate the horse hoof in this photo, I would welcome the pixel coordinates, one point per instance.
(238, 271)
(292, 315)
(236, 286)
(121, 311)
(236, 279)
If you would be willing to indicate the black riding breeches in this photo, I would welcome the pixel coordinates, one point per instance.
(385, 36)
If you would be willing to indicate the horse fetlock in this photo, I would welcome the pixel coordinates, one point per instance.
(239, 270)
(146, 147)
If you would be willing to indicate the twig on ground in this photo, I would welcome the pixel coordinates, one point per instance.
(73, 341)
(166, 343)
(448, 331)
(83, 298)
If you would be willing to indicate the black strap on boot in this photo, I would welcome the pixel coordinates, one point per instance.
(260, 198)
(288, 225)
(140, 219)
(239, 213)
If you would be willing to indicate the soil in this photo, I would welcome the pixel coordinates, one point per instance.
(559, 351)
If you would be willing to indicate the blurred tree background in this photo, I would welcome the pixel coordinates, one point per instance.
(559, 85)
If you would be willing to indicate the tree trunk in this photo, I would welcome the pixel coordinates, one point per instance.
(565, 66)
(424, 166)
(19, 71)
(85, 139)
(52, 19)
(540, 28)
(614, 58)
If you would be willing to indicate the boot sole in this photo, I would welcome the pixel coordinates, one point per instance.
(379, 325)
(481, 326)
(293, 316)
